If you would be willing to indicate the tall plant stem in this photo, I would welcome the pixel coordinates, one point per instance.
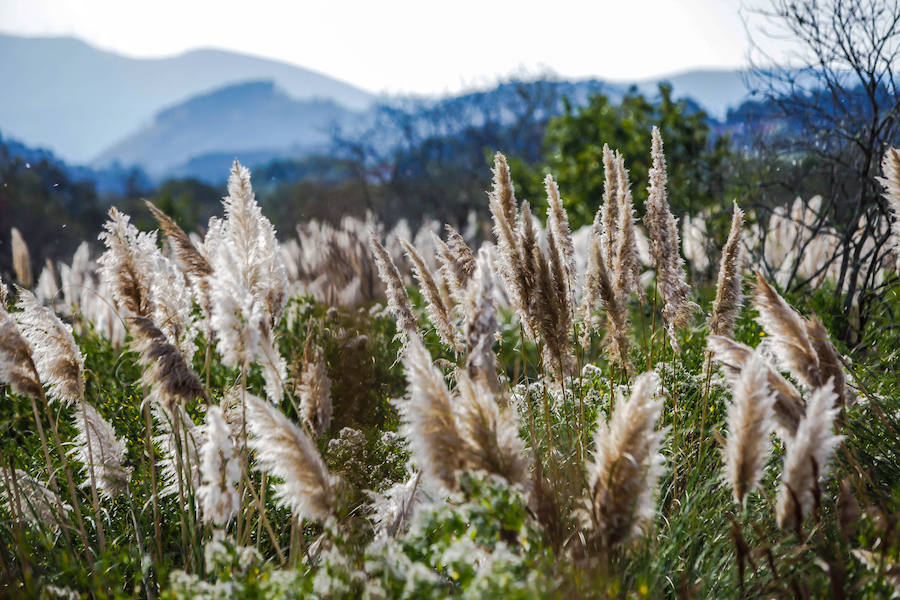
(244, 456)
(16, 509)
(94, 499)
(193, 517)
(69, 480)
(567, 407)
(151, 452)
(139, 539)
(207, 366)
(263, 518)
(643, 326)
(547, 419)
(579, 353)
(653, 323)
(179, 466)
(50, 471)
(706, 390)
(535, 445)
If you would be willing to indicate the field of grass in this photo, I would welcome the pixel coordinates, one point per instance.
(514, 422)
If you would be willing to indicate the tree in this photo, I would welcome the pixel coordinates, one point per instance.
(839, 105)
(574, 152)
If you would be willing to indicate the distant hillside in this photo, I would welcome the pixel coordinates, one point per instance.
(716, 91)
(76, 100)
(254, 118)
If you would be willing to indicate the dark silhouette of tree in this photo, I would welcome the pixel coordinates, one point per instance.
(838, 105)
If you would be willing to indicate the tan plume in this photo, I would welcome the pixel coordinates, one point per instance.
(286, 452)
(750, 420)
(398, 299)
(626, 465)
(789, 406)
(729, 295)
(428, 417)
(21, 258)
(56, 356)
(807, 457)
(438, 311)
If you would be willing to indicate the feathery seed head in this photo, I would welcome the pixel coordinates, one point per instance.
(807, 457)
(729, 295)
(750, 420)
(491, 433)
(665, 247)
(21, 258)
(438, 311)
(220, 470)
(32, 501)
(315, 391)
(428, 417)
(890, 165)
(56, 356)
(128, 264)
(558, 223)
(608, 216)
(398, 299)
(626, 262)
(100, 451)
(626, 465)
(481, 325)
(166, 371)
(285, 451)
(17, 367)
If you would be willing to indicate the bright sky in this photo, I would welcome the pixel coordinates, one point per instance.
(418, 46)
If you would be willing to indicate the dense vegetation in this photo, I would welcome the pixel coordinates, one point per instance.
(466, 445)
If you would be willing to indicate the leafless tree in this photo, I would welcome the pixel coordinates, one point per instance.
(837, 99)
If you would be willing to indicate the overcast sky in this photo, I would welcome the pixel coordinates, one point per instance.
(413, 46)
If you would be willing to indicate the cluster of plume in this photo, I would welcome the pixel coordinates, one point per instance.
(764, 402)
(237, 278)
(468, 426)
(564, 288)
(799, 246)
(551, 289)
(334, 264)
(626, 465)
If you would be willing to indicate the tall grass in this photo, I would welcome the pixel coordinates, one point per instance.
(565, 428)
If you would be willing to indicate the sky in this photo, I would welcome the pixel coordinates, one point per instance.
(407, 46)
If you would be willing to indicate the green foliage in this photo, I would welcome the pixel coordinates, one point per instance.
(574, 153)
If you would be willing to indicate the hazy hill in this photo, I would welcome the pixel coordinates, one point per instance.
(716, 91)
(76, 100)
(251, 117)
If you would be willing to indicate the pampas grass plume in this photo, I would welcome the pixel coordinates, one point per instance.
(890, 165)
(729, 295)
(750, 420)
(220, 470)
(21, 258)
(626, 464)
(807, 457)
(315, 391)
(56, 356)
(100, 451)
(438, 311)
(428, 417)
(286, 452)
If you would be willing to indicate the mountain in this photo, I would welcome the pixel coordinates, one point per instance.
(716, 91)
(255, 118)
(77, 100)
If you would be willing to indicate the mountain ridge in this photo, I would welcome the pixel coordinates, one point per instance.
(108, 96)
